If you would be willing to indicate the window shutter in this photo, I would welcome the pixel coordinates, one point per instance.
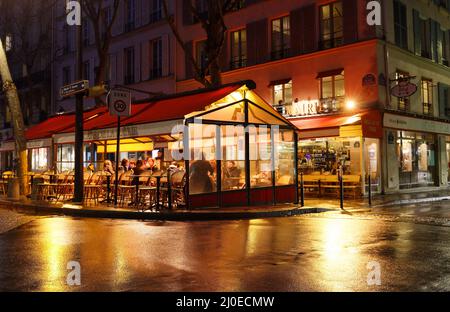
(444, 99)
(165, 62)
(350, 22)
(146, 59)
(439, 42)
(223, 57)
(187, 14)
(257, 38)
(297, 31)
(433, 39)
(189, 68)
(417, 32)
(309, 28)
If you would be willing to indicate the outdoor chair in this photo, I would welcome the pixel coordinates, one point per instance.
(177, 189)
(93, 187)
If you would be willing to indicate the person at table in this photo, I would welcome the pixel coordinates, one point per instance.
(200, 177)
(125, 165)
(232, 174)
(108, 166)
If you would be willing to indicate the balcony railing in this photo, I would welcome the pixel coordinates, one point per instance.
(155, 73)
(155, 16)
(129, 26)
(280, 54)
(128, 79)
(238, 63)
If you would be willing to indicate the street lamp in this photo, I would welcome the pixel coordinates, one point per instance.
(350, 104)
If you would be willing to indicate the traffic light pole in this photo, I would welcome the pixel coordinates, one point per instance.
(79, 136)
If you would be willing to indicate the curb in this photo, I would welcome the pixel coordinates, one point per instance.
(411, 201)
(156, 216)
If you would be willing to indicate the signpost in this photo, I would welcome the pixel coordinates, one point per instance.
(119, 102)
(74, 88)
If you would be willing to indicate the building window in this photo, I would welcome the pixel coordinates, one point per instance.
(332, 86)
(281, 38)
(156, 58)
(130, 9)
(400, 25)
(331, 25)
(86, 70)
(66, 78)
(282, 96)
(417, 157)
(200, 54)
(202, 9)
(39, 159)
(402, 103)
(155, 10)
(427, 96)
(238, 49)
(129, 65)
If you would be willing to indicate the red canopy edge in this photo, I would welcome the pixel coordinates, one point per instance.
(59, 123)
(162, 109)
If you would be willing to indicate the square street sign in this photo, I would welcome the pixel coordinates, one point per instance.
(119, 102)
(74, 88)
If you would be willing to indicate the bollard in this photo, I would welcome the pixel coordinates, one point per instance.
(302, 190)
(13, 188)
(341, 187)
(34, 187)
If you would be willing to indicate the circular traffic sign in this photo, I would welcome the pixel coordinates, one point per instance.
(120, 106)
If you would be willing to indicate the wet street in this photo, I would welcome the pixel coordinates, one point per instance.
(328, 252)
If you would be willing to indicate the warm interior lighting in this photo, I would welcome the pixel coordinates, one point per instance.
(350, 104)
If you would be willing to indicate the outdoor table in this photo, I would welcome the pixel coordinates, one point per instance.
(108, 186)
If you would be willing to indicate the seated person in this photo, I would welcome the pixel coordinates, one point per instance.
(231, 174)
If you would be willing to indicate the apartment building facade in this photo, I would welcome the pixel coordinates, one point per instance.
(318, 62)
(26, 32)
(322, 65)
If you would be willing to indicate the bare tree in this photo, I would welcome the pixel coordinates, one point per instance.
(102, 26)
(213, 23)
(12, 98)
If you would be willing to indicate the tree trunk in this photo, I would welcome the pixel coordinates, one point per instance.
(13, 101)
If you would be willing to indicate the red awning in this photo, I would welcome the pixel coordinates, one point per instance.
(58, 124)
(369, 119)
(177, 107)
(324, 122)
(164, 109)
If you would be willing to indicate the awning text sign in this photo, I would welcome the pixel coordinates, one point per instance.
(414, 124)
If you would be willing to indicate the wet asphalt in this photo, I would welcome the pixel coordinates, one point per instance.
(326, 252)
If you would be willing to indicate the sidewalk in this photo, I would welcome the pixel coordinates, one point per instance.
(381, 204)
(108, 211)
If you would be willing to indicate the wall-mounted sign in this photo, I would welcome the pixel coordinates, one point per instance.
(313, 107)
(369, 80)
(404, 89)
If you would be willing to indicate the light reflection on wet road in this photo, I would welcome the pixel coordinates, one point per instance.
(288, 254)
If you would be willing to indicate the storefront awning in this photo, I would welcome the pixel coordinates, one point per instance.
(370, 121)
(59, 123)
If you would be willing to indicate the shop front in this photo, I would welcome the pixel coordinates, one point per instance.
(6, 155)
(350, 142)
(417, 152)
(235, 149)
